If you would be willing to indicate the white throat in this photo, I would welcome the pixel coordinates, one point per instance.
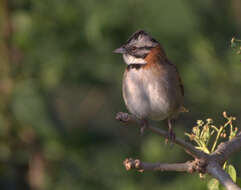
(129, 59)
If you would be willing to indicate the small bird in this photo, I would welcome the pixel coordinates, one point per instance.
(152, 87)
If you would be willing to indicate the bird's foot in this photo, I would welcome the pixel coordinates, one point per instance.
(144, 125)
(123, 117)
(170, 136)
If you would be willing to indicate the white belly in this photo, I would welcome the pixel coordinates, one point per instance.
(146, 95)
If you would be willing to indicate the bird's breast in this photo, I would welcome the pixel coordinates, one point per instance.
(145, 93)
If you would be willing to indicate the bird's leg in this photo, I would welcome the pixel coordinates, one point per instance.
(144, 125)
(171, 135)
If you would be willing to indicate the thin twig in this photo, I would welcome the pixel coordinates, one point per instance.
(190, 149)
(225, 149)
(203, 163)
(129, 163)
(216, 171)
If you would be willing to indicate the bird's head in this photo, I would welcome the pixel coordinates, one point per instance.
(137, 47)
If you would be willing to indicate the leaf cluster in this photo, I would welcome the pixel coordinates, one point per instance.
(236, 45)
(207, 137)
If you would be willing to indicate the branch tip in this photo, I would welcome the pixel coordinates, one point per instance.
(202, 163)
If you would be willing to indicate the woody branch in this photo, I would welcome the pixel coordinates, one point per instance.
(202, 163)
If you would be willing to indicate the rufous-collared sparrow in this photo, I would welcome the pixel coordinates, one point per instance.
(152, 88)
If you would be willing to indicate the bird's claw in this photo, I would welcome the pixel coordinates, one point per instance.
(144, 125)
(170, 136)
(123, 117)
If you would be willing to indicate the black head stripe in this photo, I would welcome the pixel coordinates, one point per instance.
(140, 44)
(140, 52)
(140, 56)
(146, 47)
(134, 66)
(136, 35)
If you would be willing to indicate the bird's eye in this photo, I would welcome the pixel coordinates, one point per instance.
(133, 48)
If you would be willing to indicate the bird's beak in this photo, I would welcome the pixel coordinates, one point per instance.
(120, 50)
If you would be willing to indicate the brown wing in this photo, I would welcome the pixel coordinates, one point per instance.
(180, 83)
(157, 54)
(178, 75)
(181, 108)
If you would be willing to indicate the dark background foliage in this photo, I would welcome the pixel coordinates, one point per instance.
(60, 88)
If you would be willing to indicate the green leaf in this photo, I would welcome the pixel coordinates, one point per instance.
(232, 172)
(213, 184)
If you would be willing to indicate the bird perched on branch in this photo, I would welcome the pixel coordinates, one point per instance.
(152, 87)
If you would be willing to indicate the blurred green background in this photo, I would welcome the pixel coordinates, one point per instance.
(60, 88)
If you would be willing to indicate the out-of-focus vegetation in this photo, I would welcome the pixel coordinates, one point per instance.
(60, 87)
